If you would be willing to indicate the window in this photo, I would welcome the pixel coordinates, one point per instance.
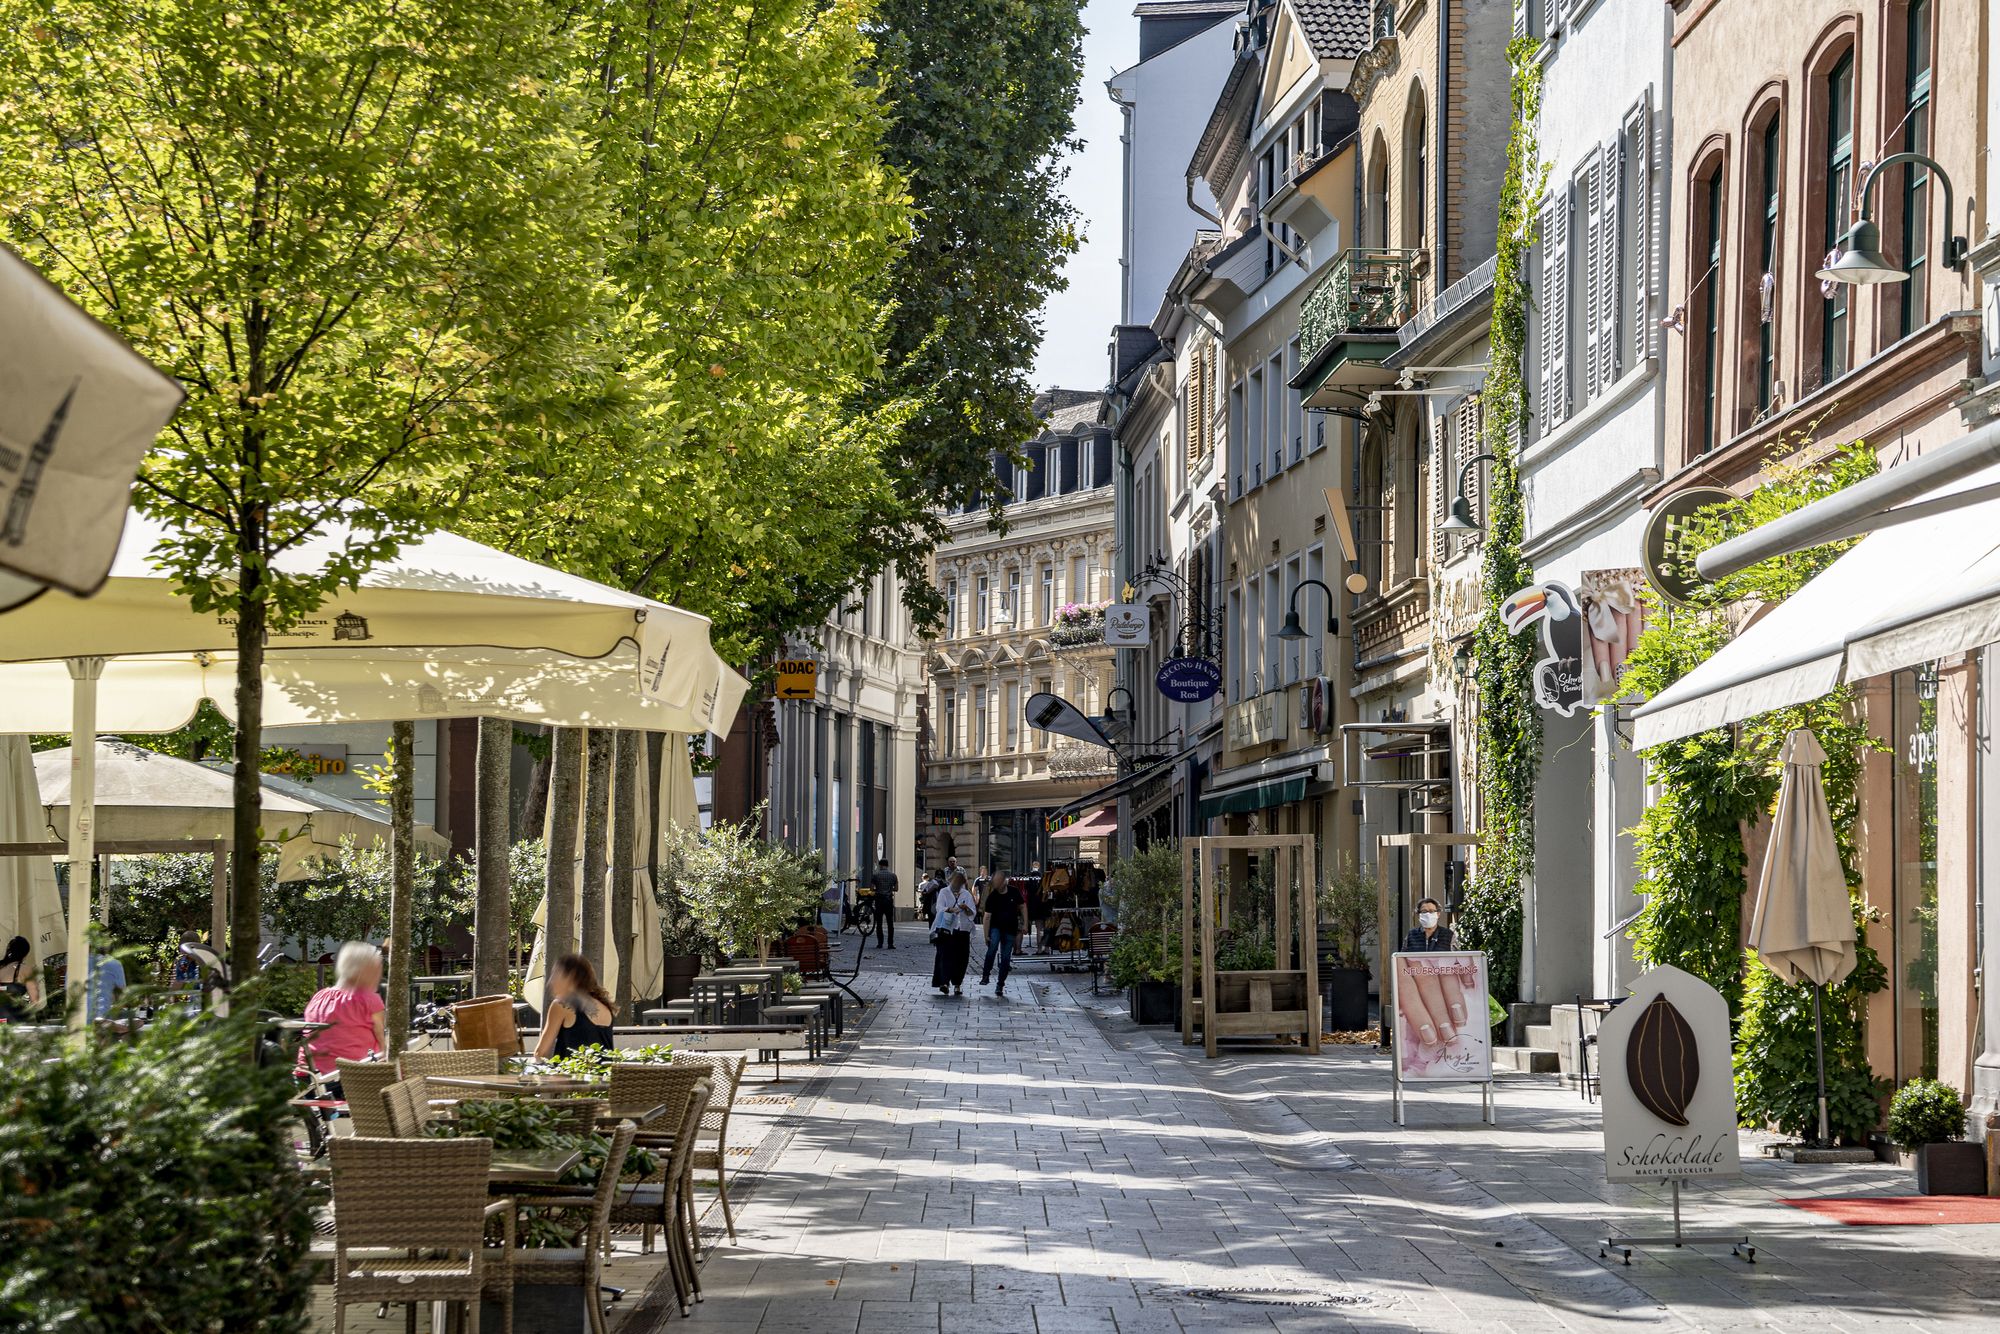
(1274, 618)
(1236, 439)
(1252, 637)
(979, 721)
(1266, 183)
(948, 736)
(1079, 592)
(1766, 295)
(1553, 333)
(1010, 601)
(1290, 647)
(1316, 569)
(1708, 329)
(1038, 739)
(1295, 423)
(1234, 634)
(951, 609)
(1839, 101)
(1253, 444)
(1012, 726)
(1416, 228)
(982, 609)
(1048, 595)
(1274, 377)
(1916, 212)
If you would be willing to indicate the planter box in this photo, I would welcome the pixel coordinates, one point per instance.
(680, 971)
(1346, 999)
(1954, 1168)
(541, 1307)
(1155, 1003)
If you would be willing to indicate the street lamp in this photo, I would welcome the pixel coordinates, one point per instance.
(1111, 705)
(1292, 629)
(1860, 258)
(1462, 520)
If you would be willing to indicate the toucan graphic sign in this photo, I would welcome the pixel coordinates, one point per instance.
(1559, 674)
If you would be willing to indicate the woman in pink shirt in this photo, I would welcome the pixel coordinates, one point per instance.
(351, 1007)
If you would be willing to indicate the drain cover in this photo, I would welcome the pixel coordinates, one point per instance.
(1277, 1297)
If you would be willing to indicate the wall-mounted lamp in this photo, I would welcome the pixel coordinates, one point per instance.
(1112, 717)
(1461, 661)
(1860, 258)
(1292, 629)
(1462, 519)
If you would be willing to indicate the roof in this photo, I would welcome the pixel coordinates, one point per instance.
(1335, 29)
(1064, 411)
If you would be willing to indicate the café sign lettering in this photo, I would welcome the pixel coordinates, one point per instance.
(1255, 721)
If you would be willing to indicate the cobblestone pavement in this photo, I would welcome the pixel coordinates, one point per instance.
(1038, 1165)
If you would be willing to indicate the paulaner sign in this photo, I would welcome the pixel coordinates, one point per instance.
(1669, 1099)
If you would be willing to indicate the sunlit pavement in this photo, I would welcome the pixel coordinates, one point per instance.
(1038, 1163)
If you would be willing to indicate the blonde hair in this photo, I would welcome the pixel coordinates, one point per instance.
(354, 956)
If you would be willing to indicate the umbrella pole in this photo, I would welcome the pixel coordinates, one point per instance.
(1819, 1060)
(83, 674)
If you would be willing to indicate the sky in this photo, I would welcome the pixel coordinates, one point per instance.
(1077, 321)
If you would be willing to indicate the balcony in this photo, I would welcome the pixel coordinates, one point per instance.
(1349, 321)
(1076, 759)
(1078, 625)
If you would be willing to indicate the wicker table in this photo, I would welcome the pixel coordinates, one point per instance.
(527, 1086)
(508, 1169)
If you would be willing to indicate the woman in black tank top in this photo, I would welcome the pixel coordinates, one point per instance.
(580, 1012)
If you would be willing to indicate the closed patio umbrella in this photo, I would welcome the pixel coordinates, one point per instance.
(1803, 928)
(30, 902)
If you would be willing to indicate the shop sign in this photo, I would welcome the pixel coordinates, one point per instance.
(1668, 1094)
(1055, 824)
(1668, 561)
(1126, 625)
(1316, 705)
(798, 678)
(1554, 607)
(1255, 721)
(1188, 680)
(326, 759)
(1443, 1031)
(942, 818)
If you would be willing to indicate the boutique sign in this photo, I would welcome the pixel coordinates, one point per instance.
(1188, 680)
(1669, 1100)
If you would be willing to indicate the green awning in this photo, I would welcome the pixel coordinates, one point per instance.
(1277, 792)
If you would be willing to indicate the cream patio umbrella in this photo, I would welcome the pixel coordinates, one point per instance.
(1803, 928)
(440, 592)
(30, 902)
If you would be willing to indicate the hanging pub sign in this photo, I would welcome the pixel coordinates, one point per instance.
(1126, 625)
(798, 678)
(1188, 680)
(1668, 560)
(1559, 675)
(1316, 704)
(1669, 1096)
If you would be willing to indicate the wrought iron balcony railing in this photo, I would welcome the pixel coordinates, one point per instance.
(1365, 289)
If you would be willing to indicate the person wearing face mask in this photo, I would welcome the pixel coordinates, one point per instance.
(1430, 932)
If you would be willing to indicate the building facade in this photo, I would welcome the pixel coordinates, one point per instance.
(1025, 615)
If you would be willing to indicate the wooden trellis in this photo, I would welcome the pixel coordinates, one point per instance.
(1279, 1001)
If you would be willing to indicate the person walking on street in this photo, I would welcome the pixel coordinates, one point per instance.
(956, 912)
(927, 892)
(1003, 926)
(883, 882)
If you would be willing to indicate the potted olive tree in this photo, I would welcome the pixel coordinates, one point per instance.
(741, 891)
(1145, 897)
(1347, 920)
(1928, 1118)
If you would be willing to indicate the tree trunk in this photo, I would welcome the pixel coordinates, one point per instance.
(402, 882)
(624, 810)
(246, 908)
(565, 791)
(490, 925)
(534, 809)
(596, 812)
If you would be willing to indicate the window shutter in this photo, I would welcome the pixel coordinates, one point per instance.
(1556, 306)
(1444, 474)
(1551, 18)
(1546, 410)
(1520, 18)
(1610, 184)
(1591, 201)
(1645, 241)
(1194, 412)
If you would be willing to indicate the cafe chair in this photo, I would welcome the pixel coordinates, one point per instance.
(451, 1062)
(410, 1218)
(711, 1147)
(581, 1265)
(407, 1108)
(664, 1204)
(361, 1084)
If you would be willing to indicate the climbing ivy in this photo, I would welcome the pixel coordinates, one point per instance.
(1712, 785)
(1509, 729)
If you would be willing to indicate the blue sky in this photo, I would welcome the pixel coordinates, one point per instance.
(1077, 321)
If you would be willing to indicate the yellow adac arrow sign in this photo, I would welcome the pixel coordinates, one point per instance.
(798, 678)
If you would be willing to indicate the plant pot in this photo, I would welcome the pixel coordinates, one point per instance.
(1155, 1003)
(1952, 1168)
(680, 971)
(541, 1306)
(1346, 999)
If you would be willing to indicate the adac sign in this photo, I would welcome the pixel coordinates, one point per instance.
(798, 678)
(1188, 680)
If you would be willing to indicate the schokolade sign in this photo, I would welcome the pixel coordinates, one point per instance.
(1669, 1099)
(1188, 680)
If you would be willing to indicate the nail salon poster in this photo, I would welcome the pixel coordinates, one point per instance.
(1443, 1029)
(1669, 1096)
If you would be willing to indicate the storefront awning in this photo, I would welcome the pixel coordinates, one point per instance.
(1254, 796)
(1104, 824)
(1904, 595)
(1112, 791)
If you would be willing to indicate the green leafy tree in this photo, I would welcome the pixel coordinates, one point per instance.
(983, 96)
(349, 899)
(527, 869)
(360, 234)
(742, 891)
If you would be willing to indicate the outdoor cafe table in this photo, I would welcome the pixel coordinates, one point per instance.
(707, 991)
(531, 1086)
(509, 1168)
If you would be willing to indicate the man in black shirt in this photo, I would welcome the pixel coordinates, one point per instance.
(883, 882)
(1003, 923)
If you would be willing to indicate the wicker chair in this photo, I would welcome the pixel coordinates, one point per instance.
(581, 1265)
(450, 1061)
(407, 1107)
(417, 1211)
(726, 1073)
(647, 1085)
(665, 1204)
(361, 1083)
(580, 1115)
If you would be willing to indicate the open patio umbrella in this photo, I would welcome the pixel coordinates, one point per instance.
(440, 592)
(30, 902)
(1803, 928)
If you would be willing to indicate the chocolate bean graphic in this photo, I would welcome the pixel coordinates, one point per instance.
(1661, 1062)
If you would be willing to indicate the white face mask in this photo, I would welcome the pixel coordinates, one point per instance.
(1427, 920)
